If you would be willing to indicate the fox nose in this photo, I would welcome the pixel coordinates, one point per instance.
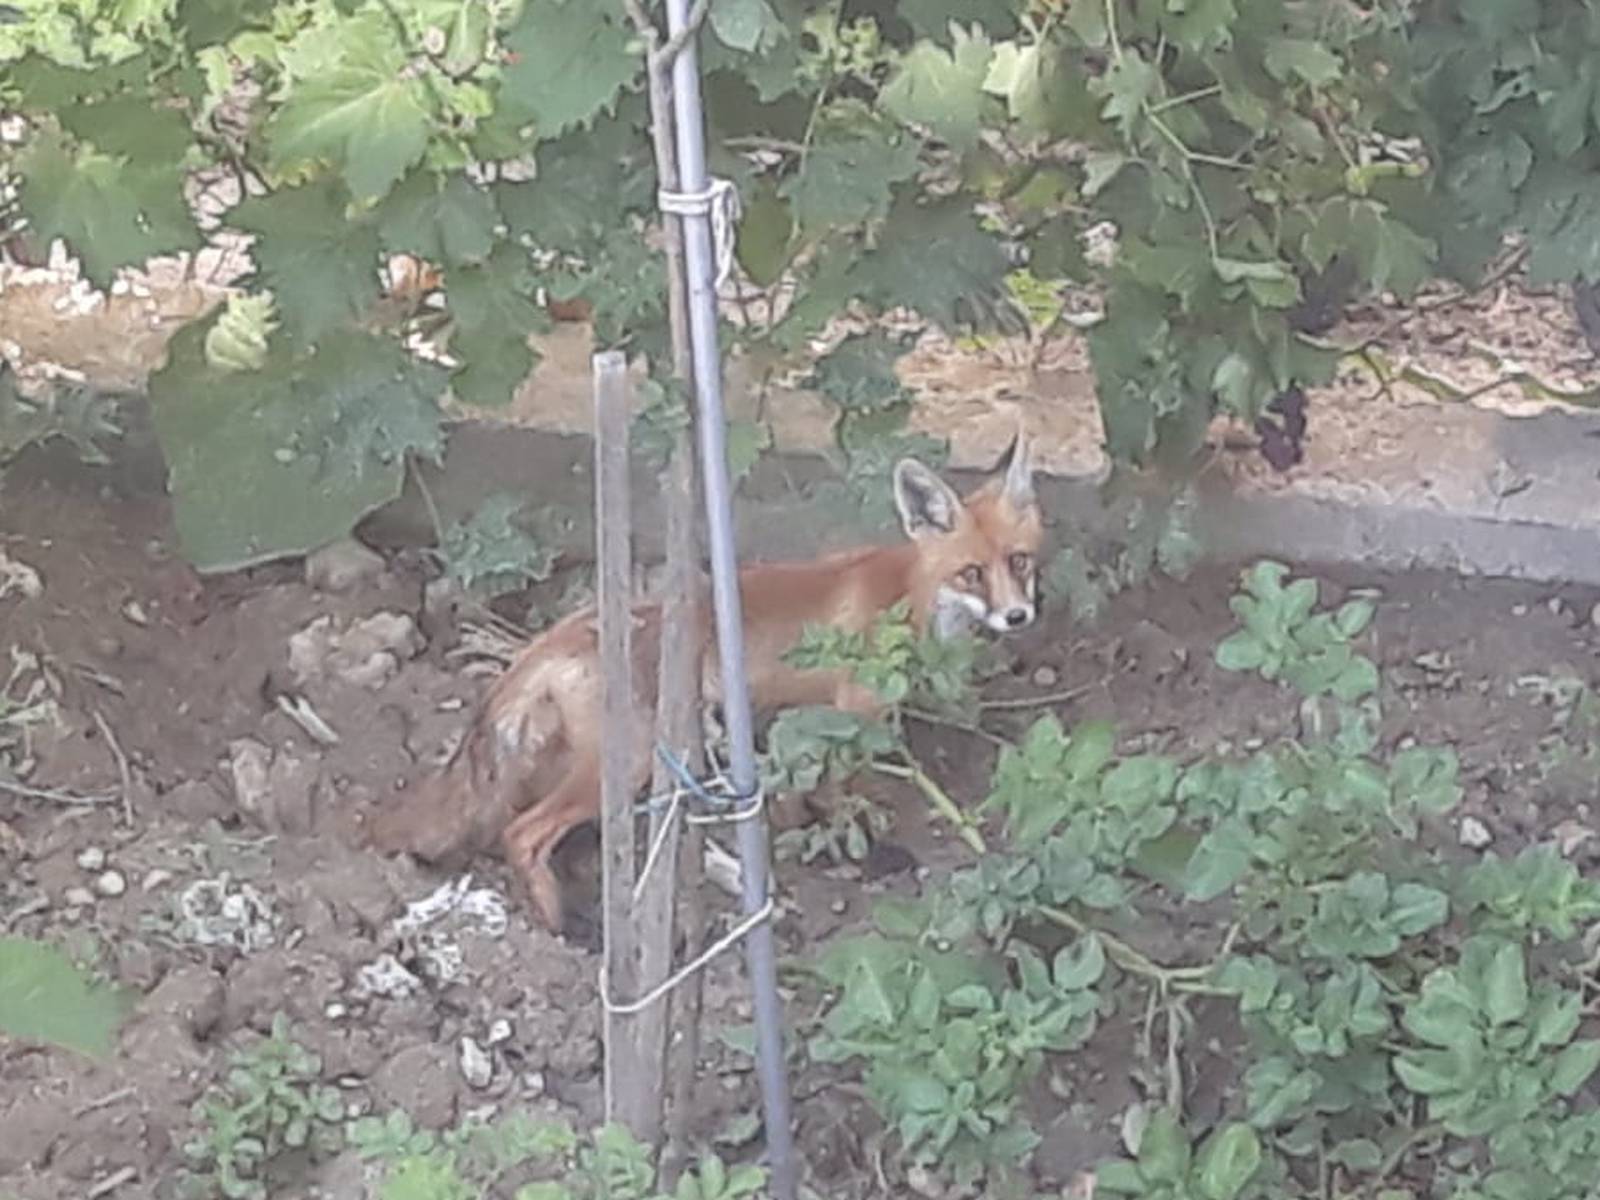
(1016, 616)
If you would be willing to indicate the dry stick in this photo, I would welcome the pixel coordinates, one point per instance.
(629, 1081)
(677, 724)
(52, 795)
(124, 774)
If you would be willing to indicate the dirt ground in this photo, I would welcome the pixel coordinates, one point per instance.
(196, 844)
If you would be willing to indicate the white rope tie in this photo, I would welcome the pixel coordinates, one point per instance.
(720, 201)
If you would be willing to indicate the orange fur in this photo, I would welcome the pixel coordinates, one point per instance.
(528, 769)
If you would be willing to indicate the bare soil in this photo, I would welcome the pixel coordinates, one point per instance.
(173, 776)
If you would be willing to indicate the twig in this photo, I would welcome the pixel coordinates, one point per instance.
(112, 1182)
(105, 1101)
(1135, 962)
(51, 795)
(662, 53)
(124, 775)
(940, 799)
(930, 718)
(1041, 701)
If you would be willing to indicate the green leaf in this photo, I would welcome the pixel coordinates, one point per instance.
(587, 183)
(850, 171)
(1128, 85)
(112, 213)
(936, 259)
(741, 24)
(1574, 1065)
(364, 112)
(942, 90)
(1505, 985)
(551, 41)
(1294, 57)
(765, 234)
(1080, 965)
(1228, 1161)
(321, 266)
(45, 998)
(1164, 1152)
(446, 221)
(1219, 861)
(281, 461)
(1241, 651)
(1416, 909)
(495, 316)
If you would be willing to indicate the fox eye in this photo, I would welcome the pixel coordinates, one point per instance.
(972, 575)
(1021, 563)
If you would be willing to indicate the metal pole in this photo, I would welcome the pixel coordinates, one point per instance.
(700, 260)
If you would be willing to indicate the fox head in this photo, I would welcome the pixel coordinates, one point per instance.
(978, 556)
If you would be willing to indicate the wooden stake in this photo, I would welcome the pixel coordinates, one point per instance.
(632, 1078)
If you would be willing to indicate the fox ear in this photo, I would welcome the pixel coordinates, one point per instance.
(927, 504)
(1017, 466)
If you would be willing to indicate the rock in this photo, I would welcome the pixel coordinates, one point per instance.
(343, 565)
(154, 878)
(192, 994)
(477, 1068)
(366, 654)
(1045, 676)
(1594, 615)
(419, 1079)
(77, 897)
(1474, 833)
(281, 791)
(111, 883)
(91, 858)
(195, 801)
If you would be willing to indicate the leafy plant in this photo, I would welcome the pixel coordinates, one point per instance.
(1368, 978)
(465, 1162)
(892, 661)
(947, 1048)
(1226, 1165)
(270, 1108)
(1283, 639)
(1492, 1048)
(490, 551)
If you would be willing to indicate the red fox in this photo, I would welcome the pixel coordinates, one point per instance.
(528, 769)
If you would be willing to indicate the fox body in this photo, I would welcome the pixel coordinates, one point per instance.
(528, 770)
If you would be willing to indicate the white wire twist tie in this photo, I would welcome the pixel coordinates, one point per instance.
(720, 201)
(725, 942)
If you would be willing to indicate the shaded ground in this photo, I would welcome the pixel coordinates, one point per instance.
(164, 692)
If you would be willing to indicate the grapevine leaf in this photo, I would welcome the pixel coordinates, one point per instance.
(444, 222)
(1044, 90)
(764, 234)
(850, 171)
(935, 259)
(365, 403)
(586, 183)
(942, 89)
(545, 83)
(1310, 61)
(933, 19)
(113, 213)
(45, 998)
(128, 125)
(742, 24)
(244, 491)
(494, 318)
(365, 113)
(321, 266)
(1203, 25)
(1128, 85)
